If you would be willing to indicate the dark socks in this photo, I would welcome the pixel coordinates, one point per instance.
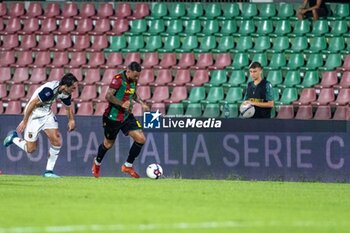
(134, 152)
(101, 153)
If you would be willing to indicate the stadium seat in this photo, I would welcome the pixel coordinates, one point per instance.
(150, 60)
(266, 10)
(16, 92)
(344, 81)
(228, 27)
(283, 28)
(333, 61)
(100, 42)
(55, 74)
(3, 90)
(249, 10)
(211, 110)
(182, 77)
(278, 60)
(323, 112)
(304, 112)
(240, 60)
(317, 44)
(246, 27)
(30, 92)
(338, 28)
(299, 44)
(105, 10)
(204, 61)
(175, 109)
(233, 95)
(155, 27)
(158, 107)
(341, 11)
(160, 93)
(153, 43)
(289, 95)
(329, 79)
(130, 57)
(325, 97)
(343, 97)
(217, 78)
(69, 9)
(310, 79)
(207, 44)
(210, 27)
(215, 94)
(194, 110)
(263, 27)
(189, 44)
(46, 42)
(146, 77)
(59, 59)
(102, 26)
(141, 11)
(77, 59)
(225, 44)
(42, 58)
(92, 76)
(236, 78)
(102, 94)
(261, 44)
(167, 60)
(301, 28)
(117, 43)
(222, 60)
(77, 72)
(122, 10)
(200, 77)
(38, 75)
(119, 26)
(284, 11)
(3, 9)
(5, 74)
(63, 42)
(137, 109)
(176, 10)
(16, 10)
(230, 11)
(212, 11)
(66, 26)
(346, 65)
(275, 77)
(100, 108)
(244, 43)
(144, 92)
(186, 60)
(314, 61)
(7, 58)
(341, 113)
(194, 11)
(307, 96)
(178, 94)
(336, 44)
(163, 77)
(30, 25)
(20, 75)
(285, 112)
(158, 10)
(137, 27)
(84, 26)
(196, 95)
(319, 28)
(13, 26)
(10, 42)
(95, 59)
(51, 11)
(28, 42)
(113, 60)
(48, 26)
(135, 43)
(87, 10)
(295, 61)
(85, 109)
(13, 108)
(88, 93)
(171, 43)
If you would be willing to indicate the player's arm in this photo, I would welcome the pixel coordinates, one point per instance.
(136, 98)
(70, 114)
(110, 97)
(31, 106)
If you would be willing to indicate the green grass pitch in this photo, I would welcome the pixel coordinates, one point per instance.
(85, 204)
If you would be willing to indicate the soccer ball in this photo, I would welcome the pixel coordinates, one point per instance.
(247, 110)
(154, 171)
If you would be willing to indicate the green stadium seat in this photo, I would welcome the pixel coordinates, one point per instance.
(243, 44)
(194, 11)
(336, 44)
(310, 79)
(301, 28)
(136, 27)
(194, 110)
(240, 61)
(317, 44)
(314, 61)
(285, 11)
(192, 27)
(276, 94)
(299, 44)
(341, 11)
(279, 44)
(217, 78)
(135, 43)
(236, 79)
(233, 111)
(207, 43)
(210, 27)
(170, 44)
(277, 61)
(261, 44)
(263, 27)
(189, 43)
(319, 28)
(295, 61)
(338, 28)
(261, 58)
(215, 94)
(176, 10)
(266, 10)
(175, 109)
(159, 10)
(155, 26)
(173, 27)
(246, 27)
(233, 95)
(212, 11)
(117, 43)
(211, 110)
(275, 77)
(230, 11)
(283, 27)
(228, 27)
(225, 44)
(292, 79)
(333, 61)
(153, 43)
(289, 95)
(249, 10)
(196, 95)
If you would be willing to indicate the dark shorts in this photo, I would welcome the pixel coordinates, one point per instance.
(320, 11)
(111, 128)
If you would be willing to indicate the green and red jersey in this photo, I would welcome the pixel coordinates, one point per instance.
(125, 90)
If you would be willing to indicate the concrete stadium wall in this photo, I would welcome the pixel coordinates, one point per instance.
(270, 149)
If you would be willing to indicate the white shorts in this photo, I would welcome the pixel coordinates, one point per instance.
(38, 123)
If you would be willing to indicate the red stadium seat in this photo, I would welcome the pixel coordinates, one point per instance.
(92, 76)
(55, 74)
(31, 25)
(69, 9)
(28, 42)
(323, 112)
(344, 81)
(200, 77)
(163, 77)
(304, 112)
(100, 108)
(122, 10)
(146, 77)
(3, 90)
(38, 76)
(13, 26)
(51, 11)
(307, 96)
(113, 60)
(141, 10)
(48, 26)
(341, 112)
(158, 107)
(343, 97)
(78, 59)
(329, 79)
(221, 61)
(88, 92)
(16, 10)
(105, 10)
(63, 42)
(66, 26)
(30, 92)
(81, 42)
(95, 59)
(119, 26)
(182, 77)
(13, 107)
(102, 26)
(10, 42)
(59, 59)
(77, 73)
(7, 58)
(178, 94)
(186, 60)
(144, 92)
(204, 61)
(167, 61)
(130, 57)
(160, 93)
(46, 42)
(16, 92)
(100, 42)
(285, 112)
(150, 60)
(20, 75)
(87, 10)
(5, 74)
(84, 26)
(325, 97)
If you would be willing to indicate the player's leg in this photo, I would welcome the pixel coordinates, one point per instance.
(133, 129)
(55, 147)
(111, 129)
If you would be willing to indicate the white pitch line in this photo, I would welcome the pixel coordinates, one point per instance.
(174, 226)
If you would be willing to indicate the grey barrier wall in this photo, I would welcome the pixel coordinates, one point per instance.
(257, 149)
